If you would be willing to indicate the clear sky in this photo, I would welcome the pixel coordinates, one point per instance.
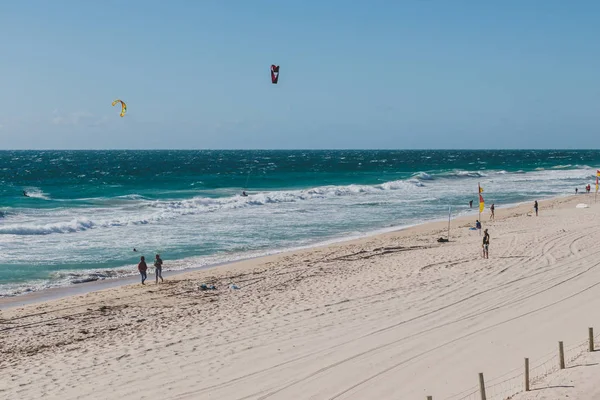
(354, 74)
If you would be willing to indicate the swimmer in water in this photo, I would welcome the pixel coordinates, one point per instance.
(244, 194)
(25, 194)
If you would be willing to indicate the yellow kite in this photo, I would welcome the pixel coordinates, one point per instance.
(123, 106)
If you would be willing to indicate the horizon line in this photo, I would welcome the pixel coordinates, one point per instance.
(306, 149)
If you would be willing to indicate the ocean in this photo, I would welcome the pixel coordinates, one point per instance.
(88, 210)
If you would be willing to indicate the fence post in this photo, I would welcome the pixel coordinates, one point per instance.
(482, 386)
(527, 374)
(561, 355)
(591, 338)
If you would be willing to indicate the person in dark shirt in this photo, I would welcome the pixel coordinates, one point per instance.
(158, 262)
(535, 207)
(142, 267)
(486, 243)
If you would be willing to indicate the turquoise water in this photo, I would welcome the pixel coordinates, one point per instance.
(87, 210)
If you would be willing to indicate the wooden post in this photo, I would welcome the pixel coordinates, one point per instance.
(561, 355)
(482, 386)
(527, 374)
(591, 338)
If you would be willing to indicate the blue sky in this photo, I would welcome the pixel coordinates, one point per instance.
(354, 74)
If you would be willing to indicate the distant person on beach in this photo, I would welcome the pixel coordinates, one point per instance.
(492, 209)
(486, 243)
(158, 265)
(142, 267)
(576, 190)
(535, 207)
(471, 204)
(477, 224)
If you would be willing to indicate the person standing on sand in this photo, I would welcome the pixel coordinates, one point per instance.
(535, 207)
(142, 267)
(486, 243)
(158, 266)
(492, 209)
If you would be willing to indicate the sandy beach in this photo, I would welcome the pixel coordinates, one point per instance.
(393, 316)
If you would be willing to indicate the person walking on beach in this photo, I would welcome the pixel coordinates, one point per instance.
(492, 209)
(486, 243)
(535, 207)
(158, 266)
(471, 204)
(142, 267)
(576, 190)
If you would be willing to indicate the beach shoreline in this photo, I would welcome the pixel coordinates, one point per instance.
(55, 293)
(71, 232)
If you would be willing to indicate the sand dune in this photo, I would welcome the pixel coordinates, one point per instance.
(396, 316)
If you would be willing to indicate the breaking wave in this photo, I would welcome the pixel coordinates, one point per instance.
(148, 211)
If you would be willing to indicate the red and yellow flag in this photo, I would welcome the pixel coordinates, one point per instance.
(481, 202)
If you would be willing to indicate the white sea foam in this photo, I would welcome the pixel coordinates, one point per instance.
(147, 212)
(204, 230)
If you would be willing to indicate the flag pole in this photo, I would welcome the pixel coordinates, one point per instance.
(596, 194)
(478, 205)
(449, 214)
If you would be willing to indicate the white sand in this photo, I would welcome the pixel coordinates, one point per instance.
(397, 316)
